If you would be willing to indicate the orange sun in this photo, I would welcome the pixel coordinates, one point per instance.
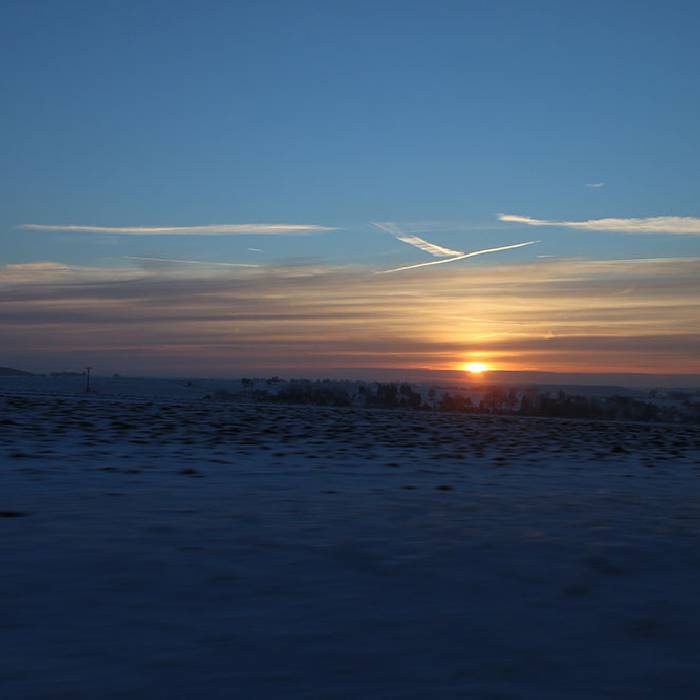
(475, 367)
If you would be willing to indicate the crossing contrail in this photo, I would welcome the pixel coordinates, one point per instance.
(447, 255)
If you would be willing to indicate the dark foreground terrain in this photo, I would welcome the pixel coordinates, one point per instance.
(199, 550)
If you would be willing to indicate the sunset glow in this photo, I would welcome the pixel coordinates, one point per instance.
(309, 245)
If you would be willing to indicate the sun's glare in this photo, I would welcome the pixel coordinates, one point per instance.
(475, 367)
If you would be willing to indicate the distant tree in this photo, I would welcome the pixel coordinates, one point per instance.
(493, 400)
(409, 398)
(387, 395)
(455, 402)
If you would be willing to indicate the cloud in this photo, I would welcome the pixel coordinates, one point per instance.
(688, 225)
(37, 267)
(595, 185)
(188, 262)
(567, 315)
(208, 230)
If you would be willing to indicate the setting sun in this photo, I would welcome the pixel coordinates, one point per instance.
(475, 367)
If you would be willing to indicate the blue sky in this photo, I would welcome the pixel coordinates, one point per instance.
(436, 116)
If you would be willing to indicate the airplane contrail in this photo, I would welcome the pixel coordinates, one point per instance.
(447, 255)
(437, 251)
(458, 257)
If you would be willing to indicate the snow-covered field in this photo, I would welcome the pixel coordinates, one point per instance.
(186, 549)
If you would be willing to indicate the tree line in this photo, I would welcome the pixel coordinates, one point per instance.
(493, 400)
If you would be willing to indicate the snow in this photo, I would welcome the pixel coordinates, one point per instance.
(177, 548)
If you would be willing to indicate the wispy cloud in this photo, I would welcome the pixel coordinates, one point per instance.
(595, 185)
(37, 267)
(175, 261)
(580, 315)
(208, 230)
(688, 225)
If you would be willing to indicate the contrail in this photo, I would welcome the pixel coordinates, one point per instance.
(459, 257)
(436, 250)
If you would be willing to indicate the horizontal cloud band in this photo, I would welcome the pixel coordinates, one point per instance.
(563, 315)
(688, 225)
(175, 261)
(208, 230)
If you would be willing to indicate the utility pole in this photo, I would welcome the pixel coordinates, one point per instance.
(87, 380)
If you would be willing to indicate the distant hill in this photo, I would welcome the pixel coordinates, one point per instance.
(9, 372)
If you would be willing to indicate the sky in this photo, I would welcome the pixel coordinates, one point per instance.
(213, 187)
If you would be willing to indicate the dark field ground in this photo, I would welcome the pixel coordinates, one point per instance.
(193, 549)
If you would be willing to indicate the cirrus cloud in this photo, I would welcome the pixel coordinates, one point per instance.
(37, 267)
(688, 225)
(207, 230)
(175, 261)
